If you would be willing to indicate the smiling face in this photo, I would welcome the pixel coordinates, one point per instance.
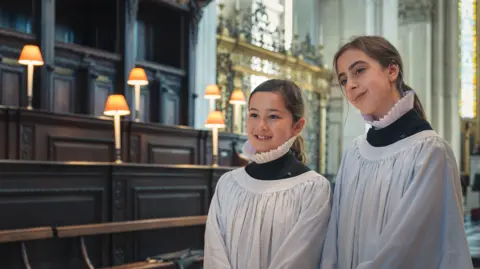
(368, 86)
(270, 123)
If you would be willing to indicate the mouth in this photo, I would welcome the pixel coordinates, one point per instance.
(360, 96)
(263, 137)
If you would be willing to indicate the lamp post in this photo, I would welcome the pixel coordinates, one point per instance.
(116, 106)
(212, 92)
(137, 78)
(30, 56)
(215, 121)
(237, 99)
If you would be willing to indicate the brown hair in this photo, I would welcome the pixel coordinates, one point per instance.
(384, 53)
(293, 102)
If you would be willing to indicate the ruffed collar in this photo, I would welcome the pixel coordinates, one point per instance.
(264, 157)
(398, 110)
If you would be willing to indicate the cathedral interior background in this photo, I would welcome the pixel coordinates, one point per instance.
(117, 117)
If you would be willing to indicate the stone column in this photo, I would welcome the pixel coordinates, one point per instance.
(452, 84)
(206, 61)
(437, 118)
(415, 46)
(323, 133)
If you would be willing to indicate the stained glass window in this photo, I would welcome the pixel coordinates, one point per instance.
(468, 58)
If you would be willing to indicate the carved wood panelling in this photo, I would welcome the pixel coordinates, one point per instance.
(95, 150)
(13, 85)
(51, 194)
(27, 136)
(62, 96)
(101, 92)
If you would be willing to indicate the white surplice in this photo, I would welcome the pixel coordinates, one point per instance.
(267, 224)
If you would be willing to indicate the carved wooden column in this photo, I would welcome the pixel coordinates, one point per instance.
(44, 24)
(323, 133)
(127, 16)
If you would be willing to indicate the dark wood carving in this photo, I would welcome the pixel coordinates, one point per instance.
(54, 194)
(44, 136)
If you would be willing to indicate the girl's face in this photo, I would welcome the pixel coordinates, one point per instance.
(368, 86)
(269, 122)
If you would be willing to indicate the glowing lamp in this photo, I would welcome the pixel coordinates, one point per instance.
(116, 106)
(30, 56)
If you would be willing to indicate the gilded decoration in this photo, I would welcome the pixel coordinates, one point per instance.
(249, 47)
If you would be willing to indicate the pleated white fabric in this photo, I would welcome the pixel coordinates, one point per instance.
(397, 207)
(261, 224)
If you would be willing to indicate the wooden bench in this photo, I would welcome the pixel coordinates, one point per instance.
(129, 226)
(22, 235)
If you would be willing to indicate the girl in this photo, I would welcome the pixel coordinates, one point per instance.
(397, 200)
(274, 212)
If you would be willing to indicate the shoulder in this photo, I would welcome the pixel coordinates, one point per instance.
(227, 179)
(434, 148)
(316, 184)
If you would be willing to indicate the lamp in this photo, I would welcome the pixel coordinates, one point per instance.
(212, 92)
(116, 106)
(237, 99)
(30, 56)
(137, 78)
(215, 121)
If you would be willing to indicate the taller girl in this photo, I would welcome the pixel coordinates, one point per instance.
(397, 199)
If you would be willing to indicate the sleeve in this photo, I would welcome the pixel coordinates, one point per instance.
(303, 245)
(329, 255)
(215, 250)
(426, 230)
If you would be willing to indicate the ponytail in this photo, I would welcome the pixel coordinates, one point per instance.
(417, 105)
(299, 150)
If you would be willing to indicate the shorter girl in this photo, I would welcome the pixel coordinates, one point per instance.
(274, 212)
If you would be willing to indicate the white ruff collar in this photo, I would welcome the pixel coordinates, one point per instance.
(265, 157)
(398, 110)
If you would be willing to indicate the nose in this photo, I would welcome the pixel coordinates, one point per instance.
(263, 125)
(351, 85)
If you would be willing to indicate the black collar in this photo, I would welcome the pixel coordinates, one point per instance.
(407, 125)
(283, 167)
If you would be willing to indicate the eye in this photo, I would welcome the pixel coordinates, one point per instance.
(343, 82)
(253, 115)
(360, 70)
(273, 117)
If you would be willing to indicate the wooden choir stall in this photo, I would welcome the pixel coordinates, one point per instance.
(77, 191)
(65, 203)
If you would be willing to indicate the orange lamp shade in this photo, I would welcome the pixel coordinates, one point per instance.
(215, 119)
(116, 105)
(212, 92)
(30, 55)
(137, 77)
(237, 97)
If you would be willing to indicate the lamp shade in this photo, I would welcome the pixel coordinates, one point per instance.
(137, 77)
(30, 55)
(116, 105)
(215, 119)
(212, 92)
(237, 97)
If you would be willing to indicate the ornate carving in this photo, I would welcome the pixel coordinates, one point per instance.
(411, 11)
(26, 142)
(311, 132)
(119, 241)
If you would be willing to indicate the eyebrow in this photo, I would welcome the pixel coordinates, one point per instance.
(351, 67)
(270, 109)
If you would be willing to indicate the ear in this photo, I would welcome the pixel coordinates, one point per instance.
(393, 71)
(298, 126)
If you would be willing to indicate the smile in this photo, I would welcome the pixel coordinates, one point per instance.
(263, 137)
(358, 97)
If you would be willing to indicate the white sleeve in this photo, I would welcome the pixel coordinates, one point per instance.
(426, 230)
(303, 246)
(215, 251)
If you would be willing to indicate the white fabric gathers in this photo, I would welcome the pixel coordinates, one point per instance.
(261, 224)
(397, 206)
